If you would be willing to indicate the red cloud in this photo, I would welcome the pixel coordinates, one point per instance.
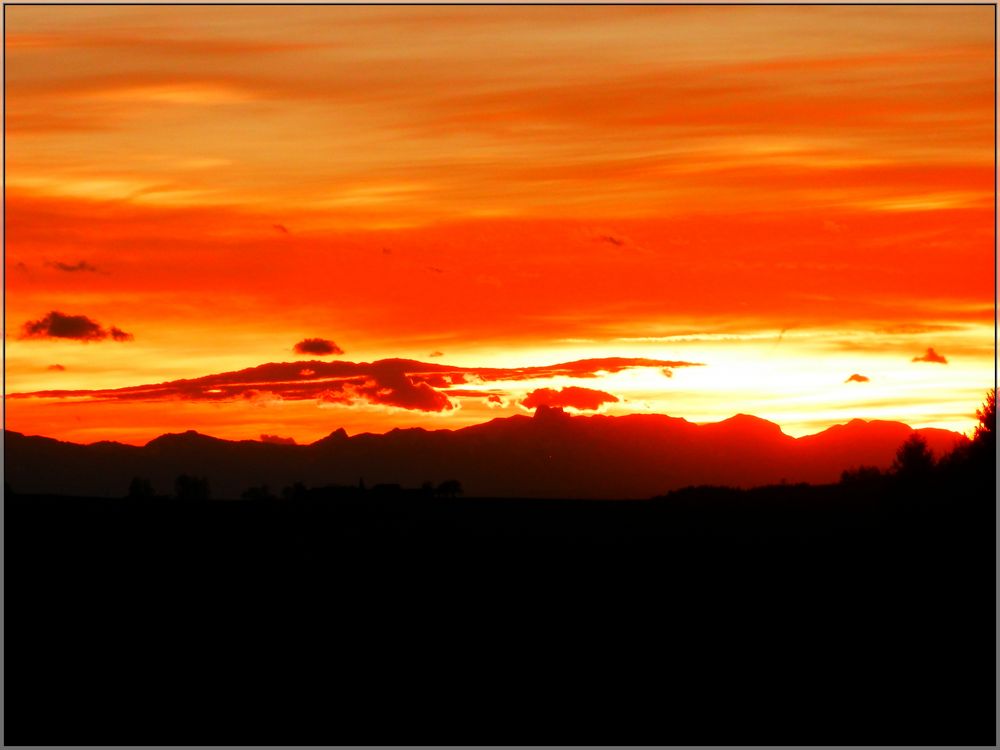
(436, 380)
(74, 267)
(584, 399)
(388, 384)
(317, 346)
(855, 378)
(57, 325)
(277, 440)
(403, 383)
(391, 386)
(931, 356)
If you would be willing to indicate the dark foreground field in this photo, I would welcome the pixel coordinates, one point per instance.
(838, 614)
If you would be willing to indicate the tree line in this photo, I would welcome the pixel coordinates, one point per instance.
(915, 464)
(970, 463)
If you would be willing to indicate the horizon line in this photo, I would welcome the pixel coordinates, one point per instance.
(542, 409)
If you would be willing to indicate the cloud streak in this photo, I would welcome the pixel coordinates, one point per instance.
(400, 383)
(74, 267)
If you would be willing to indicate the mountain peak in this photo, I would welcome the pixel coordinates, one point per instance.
(860, 427)
(337, 436)
(556, 455)
(188, 437)
(747, 422)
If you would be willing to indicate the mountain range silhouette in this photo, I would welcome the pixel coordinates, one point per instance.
(550, 454)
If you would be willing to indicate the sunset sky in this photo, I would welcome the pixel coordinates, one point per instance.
(779, 211)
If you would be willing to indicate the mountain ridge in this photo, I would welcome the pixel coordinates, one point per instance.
(550, 454)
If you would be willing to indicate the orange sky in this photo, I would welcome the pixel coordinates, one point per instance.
(784, 196)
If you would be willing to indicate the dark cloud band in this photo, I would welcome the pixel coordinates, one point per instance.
(583, 399)
(401, 383)
(321, 347)
(57, 325)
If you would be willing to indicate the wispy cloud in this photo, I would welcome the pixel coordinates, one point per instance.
(74, 267)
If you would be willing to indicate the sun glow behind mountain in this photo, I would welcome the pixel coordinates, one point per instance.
(787, 197)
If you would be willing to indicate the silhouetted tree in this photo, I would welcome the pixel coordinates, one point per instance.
(955, 462)
(191, 488)
(450, 488)
(258, 493)
(914, 460)
(861, 475)
(140, 489)
(296, 492)
(427, 488)
(986, 430)
(979, 457)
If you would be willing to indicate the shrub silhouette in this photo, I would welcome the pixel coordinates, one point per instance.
(984, 439)
(449, 488)
(979, 456)
(295, 491)
(191, 488)
(861, 475)
(140, 489)
(914, 460)
(258, 493)
(987, 416)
